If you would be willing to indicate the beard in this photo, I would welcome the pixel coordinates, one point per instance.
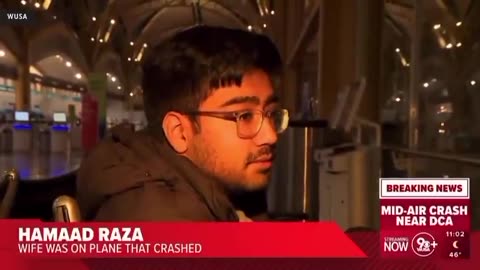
(235, 179)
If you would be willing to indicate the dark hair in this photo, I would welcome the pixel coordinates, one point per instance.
(183, 71)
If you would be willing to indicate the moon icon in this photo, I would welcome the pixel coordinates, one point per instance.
(455, 244)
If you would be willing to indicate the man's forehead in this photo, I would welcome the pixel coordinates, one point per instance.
(255, 88)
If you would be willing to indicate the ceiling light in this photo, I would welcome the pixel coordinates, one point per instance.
(144, 45)
(426, 85)
(459, 23)
(397, 99)
(449, 46)
(94, 19)
(264, 25)
(54, 17)
(437, 26)
(272, 12)
(131, 94)
(113, 79)
(131, 43)
(397, 49)
(473, 82)
(37, 5)
(100, 40)
(68, 64)
(129, 59)
(78, 76)
(2, 53)
(459, 44)
(92, 39)
(249, 28)
(119, 87)
(112, 21)
(23, 2)
(442, 124)
(57, 56)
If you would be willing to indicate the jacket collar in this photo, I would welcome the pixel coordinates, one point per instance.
(207, 188)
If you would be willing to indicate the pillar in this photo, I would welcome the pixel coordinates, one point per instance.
(369, 55)
(337, 65)
(350, 48)
(22, 86)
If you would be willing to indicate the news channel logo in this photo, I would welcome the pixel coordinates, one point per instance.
(396, 244)
(423, 244)
(18, 17)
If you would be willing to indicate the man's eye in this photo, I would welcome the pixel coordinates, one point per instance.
(273, 113)
(245, 116)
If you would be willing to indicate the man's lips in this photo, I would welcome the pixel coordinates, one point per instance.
(264, 159)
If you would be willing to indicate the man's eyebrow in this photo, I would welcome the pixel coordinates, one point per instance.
(240, 100)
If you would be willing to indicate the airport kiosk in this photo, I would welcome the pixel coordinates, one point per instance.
(60, 133)
(22, 132)
(349, 173)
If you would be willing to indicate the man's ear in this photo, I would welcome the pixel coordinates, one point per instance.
(177, 130)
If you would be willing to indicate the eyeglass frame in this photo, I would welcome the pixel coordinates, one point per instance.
(235, 115)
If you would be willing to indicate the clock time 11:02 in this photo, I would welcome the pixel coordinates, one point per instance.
(455, 234)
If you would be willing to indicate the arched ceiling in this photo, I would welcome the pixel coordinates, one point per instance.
(108, 35)
(10, 40)
(7, 58)
(445, 12)
(57, 38)
(61, 67)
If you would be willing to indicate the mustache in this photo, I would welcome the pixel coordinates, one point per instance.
(264, 151)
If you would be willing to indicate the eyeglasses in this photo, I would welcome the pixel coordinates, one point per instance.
(249, 122)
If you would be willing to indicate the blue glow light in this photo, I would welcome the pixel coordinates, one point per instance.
(22, 126)
(61, 127)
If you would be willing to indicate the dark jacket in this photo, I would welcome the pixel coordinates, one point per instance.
(132, 176)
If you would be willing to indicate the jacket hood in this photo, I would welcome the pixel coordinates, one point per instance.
(128, 159)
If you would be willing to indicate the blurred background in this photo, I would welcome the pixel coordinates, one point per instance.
(417, 109)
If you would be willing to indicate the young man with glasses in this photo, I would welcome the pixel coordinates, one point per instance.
(213, 123)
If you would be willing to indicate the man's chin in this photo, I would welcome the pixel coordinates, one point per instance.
(249, 184)
(257, 182)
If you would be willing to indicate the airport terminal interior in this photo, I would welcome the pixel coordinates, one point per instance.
(375, 88)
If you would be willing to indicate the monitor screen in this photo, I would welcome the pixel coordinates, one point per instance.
(59, 117)
(22, 116)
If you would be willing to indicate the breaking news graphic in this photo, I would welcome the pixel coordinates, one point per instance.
(425, 218)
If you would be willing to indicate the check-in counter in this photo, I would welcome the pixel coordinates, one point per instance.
(60, 134)
(6, 139)
(22, 132)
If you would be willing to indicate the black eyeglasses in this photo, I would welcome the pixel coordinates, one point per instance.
(249, 122)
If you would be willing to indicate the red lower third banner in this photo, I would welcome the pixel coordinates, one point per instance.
(174, 240)
(26, 245)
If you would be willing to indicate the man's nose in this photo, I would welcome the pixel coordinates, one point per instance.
(267, 134)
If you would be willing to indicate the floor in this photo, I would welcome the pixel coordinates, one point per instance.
(38, 166)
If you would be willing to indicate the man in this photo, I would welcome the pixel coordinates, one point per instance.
(213, 122)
